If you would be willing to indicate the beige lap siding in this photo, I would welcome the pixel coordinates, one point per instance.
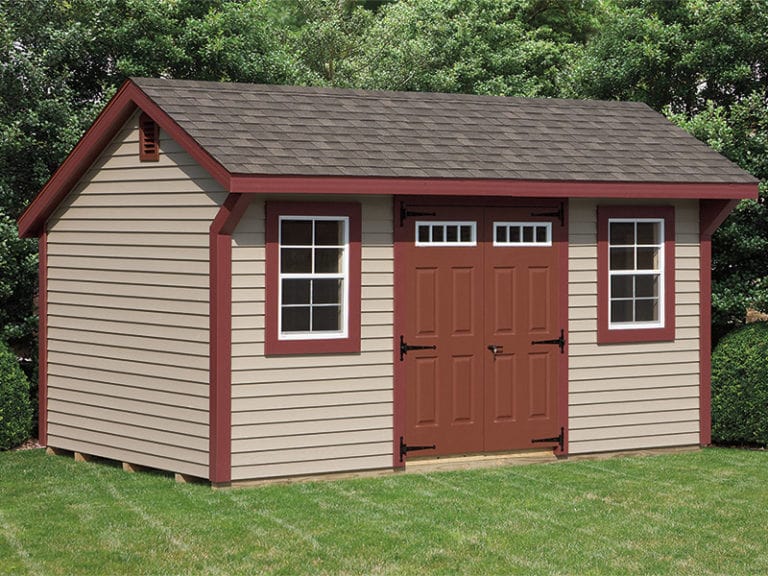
(128, 309)
(312, 414)
(629, 396)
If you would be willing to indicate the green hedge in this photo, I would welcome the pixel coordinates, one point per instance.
(15, 406)
(740, 387)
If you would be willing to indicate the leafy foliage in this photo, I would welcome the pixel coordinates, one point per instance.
(740, 387)
(15, 406)
(502, 47)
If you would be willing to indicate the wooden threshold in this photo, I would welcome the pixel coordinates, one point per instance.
(473, 461)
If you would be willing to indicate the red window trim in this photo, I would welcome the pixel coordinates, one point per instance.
(351, 342)
(149, 139)
(665, 333)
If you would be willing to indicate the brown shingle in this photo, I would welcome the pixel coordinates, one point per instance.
(281, 130)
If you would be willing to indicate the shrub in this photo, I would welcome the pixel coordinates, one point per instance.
(740, 386)
(15, 406)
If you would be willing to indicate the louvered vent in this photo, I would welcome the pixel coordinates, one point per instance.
(149, 139)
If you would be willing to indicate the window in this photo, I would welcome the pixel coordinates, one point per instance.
(313, 278)
(635, 274)
(522, 234)
(446, 233)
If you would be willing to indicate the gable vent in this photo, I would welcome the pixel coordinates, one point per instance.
(149, 139)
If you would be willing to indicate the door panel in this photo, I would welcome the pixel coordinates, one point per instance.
(530, 301)
(444, 309)
(485, 387)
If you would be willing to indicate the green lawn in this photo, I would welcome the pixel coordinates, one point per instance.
(693, 513)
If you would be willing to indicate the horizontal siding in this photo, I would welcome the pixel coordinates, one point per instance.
(317, 413)
(631, 396)
(128, 306)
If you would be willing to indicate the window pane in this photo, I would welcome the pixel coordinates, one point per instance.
(541, 234)
(647, 286)
(647, 258)
(528, 234)
(328, 260)
(648, 233)
(326, 318)
(501, 234)
(326, 292)
(621, 287)
(437, 234)
(452, 234)
(646, 310)
(622, 233)
(621, 311)
(296, 319)
(466, 233)
(296, 291)
(295, 260)
(514, 234)
(423, 233)
(296, 232)
(622, 258)
(329, 233)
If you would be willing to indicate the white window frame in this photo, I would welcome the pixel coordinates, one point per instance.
(432, 224)
(546, 225)
(343, 275)
(659, 271)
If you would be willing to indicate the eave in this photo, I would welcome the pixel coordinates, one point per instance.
(130, 97)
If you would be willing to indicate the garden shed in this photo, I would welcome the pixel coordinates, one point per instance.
(243, 282)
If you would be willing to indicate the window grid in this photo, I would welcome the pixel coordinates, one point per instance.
(522, 234)
(636, 282)
(446, 233)
(314, 278)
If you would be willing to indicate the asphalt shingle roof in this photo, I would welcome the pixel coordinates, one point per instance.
(277, 130)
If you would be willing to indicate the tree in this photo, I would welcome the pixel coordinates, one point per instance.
(503, 47)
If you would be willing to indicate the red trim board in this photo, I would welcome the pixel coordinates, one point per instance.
(42, 338)
(363, 185)
(712, 213)
(667, 332)
(562, 401)
(220, 344)
(349, 344)
(111, 119)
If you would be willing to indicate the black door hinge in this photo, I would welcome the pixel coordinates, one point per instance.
(405, 213)
(559, 214)
(404, 448)
(559, 439)
(559, 341)
(405, 348)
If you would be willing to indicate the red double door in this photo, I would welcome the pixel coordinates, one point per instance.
(482, 287)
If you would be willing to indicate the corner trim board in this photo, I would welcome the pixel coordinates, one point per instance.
(712, 213)
(42, 339)
(220, 337)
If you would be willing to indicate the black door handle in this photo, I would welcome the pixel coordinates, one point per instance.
(495, 349)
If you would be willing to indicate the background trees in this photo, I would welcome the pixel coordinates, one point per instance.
(702, 62)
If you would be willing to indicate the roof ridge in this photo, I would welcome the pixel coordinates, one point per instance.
(365, 93)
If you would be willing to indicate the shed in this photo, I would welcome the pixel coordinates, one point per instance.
(243, 282)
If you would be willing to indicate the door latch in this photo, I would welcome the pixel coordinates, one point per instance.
(495, 349)
(559, 341)
(405, 348)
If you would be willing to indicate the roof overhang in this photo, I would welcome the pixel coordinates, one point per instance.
(130, 97)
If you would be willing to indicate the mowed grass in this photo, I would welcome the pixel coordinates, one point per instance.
(703, 512)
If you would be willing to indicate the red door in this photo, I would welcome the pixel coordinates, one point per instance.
(481, 289)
